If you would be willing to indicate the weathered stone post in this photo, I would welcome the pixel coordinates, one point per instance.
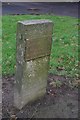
(34, 38)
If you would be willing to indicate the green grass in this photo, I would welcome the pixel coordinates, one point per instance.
(64, 53)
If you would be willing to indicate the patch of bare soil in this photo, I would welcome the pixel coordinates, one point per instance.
(60, 100)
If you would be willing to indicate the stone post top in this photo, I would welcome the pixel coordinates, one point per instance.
(29, 22)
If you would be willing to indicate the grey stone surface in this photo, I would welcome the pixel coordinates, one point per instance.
(33, 53)
(40, 0)
(0, 110)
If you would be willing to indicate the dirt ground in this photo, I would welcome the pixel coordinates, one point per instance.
(60, 100)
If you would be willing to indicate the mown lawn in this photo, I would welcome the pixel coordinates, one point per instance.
(64, 54)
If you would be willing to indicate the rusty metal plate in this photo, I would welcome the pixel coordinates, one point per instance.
(38, 47)
(38, 30)
(33, 39)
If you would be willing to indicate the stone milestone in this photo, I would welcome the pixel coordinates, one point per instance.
(34, 39)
